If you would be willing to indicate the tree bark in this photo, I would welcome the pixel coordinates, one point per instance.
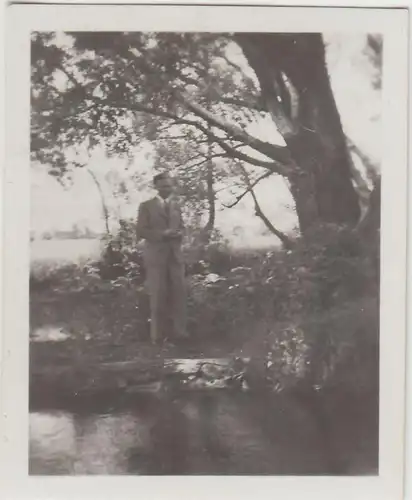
(309, 123)
(210, 191)
(105, 210)
(210, 198)
(302, 188)
(369, 228)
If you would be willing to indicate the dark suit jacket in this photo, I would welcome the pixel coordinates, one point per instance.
(152, 221)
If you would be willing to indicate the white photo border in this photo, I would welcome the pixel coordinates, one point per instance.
(21, 20)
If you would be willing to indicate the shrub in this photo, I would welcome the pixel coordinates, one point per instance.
(122, 256)
(310, 313)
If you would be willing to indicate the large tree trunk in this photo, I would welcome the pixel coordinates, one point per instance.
(211, 198)
(369, 228)
(210, 192)
(295, 87)
(302, 188)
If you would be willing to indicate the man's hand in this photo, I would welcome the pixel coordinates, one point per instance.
(167, 233)
(172, 234)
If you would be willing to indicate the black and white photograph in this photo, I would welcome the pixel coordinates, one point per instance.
(205, 252)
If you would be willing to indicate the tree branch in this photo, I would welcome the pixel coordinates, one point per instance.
(239, 69)
(248, 190)
(259, 212)
(254, 106)
(102, 199)
(270, 85)
(277, 153)
(273, 166)
(282, 163)
(198, 164)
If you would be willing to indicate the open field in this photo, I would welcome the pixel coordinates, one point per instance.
(61, 252)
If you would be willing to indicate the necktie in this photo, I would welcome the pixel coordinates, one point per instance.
(167, 209)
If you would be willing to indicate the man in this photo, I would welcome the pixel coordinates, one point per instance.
(160, 225)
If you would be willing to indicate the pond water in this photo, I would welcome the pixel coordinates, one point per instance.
(204, 432)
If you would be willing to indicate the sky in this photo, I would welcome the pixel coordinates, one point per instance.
(56, 208)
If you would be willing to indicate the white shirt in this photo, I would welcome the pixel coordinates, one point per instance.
(163, 201)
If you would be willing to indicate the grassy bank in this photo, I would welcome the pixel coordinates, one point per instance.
(307, 316)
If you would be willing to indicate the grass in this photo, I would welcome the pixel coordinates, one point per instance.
(105, 322)
(298, 310)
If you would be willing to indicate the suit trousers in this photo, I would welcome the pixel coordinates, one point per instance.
(165, 280)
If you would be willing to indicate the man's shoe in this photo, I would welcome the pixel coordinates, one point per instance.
(169, 344)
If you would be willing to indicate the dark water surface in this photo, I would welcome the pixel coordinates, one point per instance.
(204, 432)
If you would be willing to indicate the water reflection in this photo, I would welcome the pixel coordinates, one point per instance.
(62, 443)
(52, 443)
(103, 443)
(209, 432)
(49, 334)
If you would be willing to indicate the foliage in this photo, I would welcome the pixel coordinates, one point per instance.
(314, 276)
(122, 255)
(118, 87)
(195, 98)
(115, 90)
(310, 315)
(308, 310)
